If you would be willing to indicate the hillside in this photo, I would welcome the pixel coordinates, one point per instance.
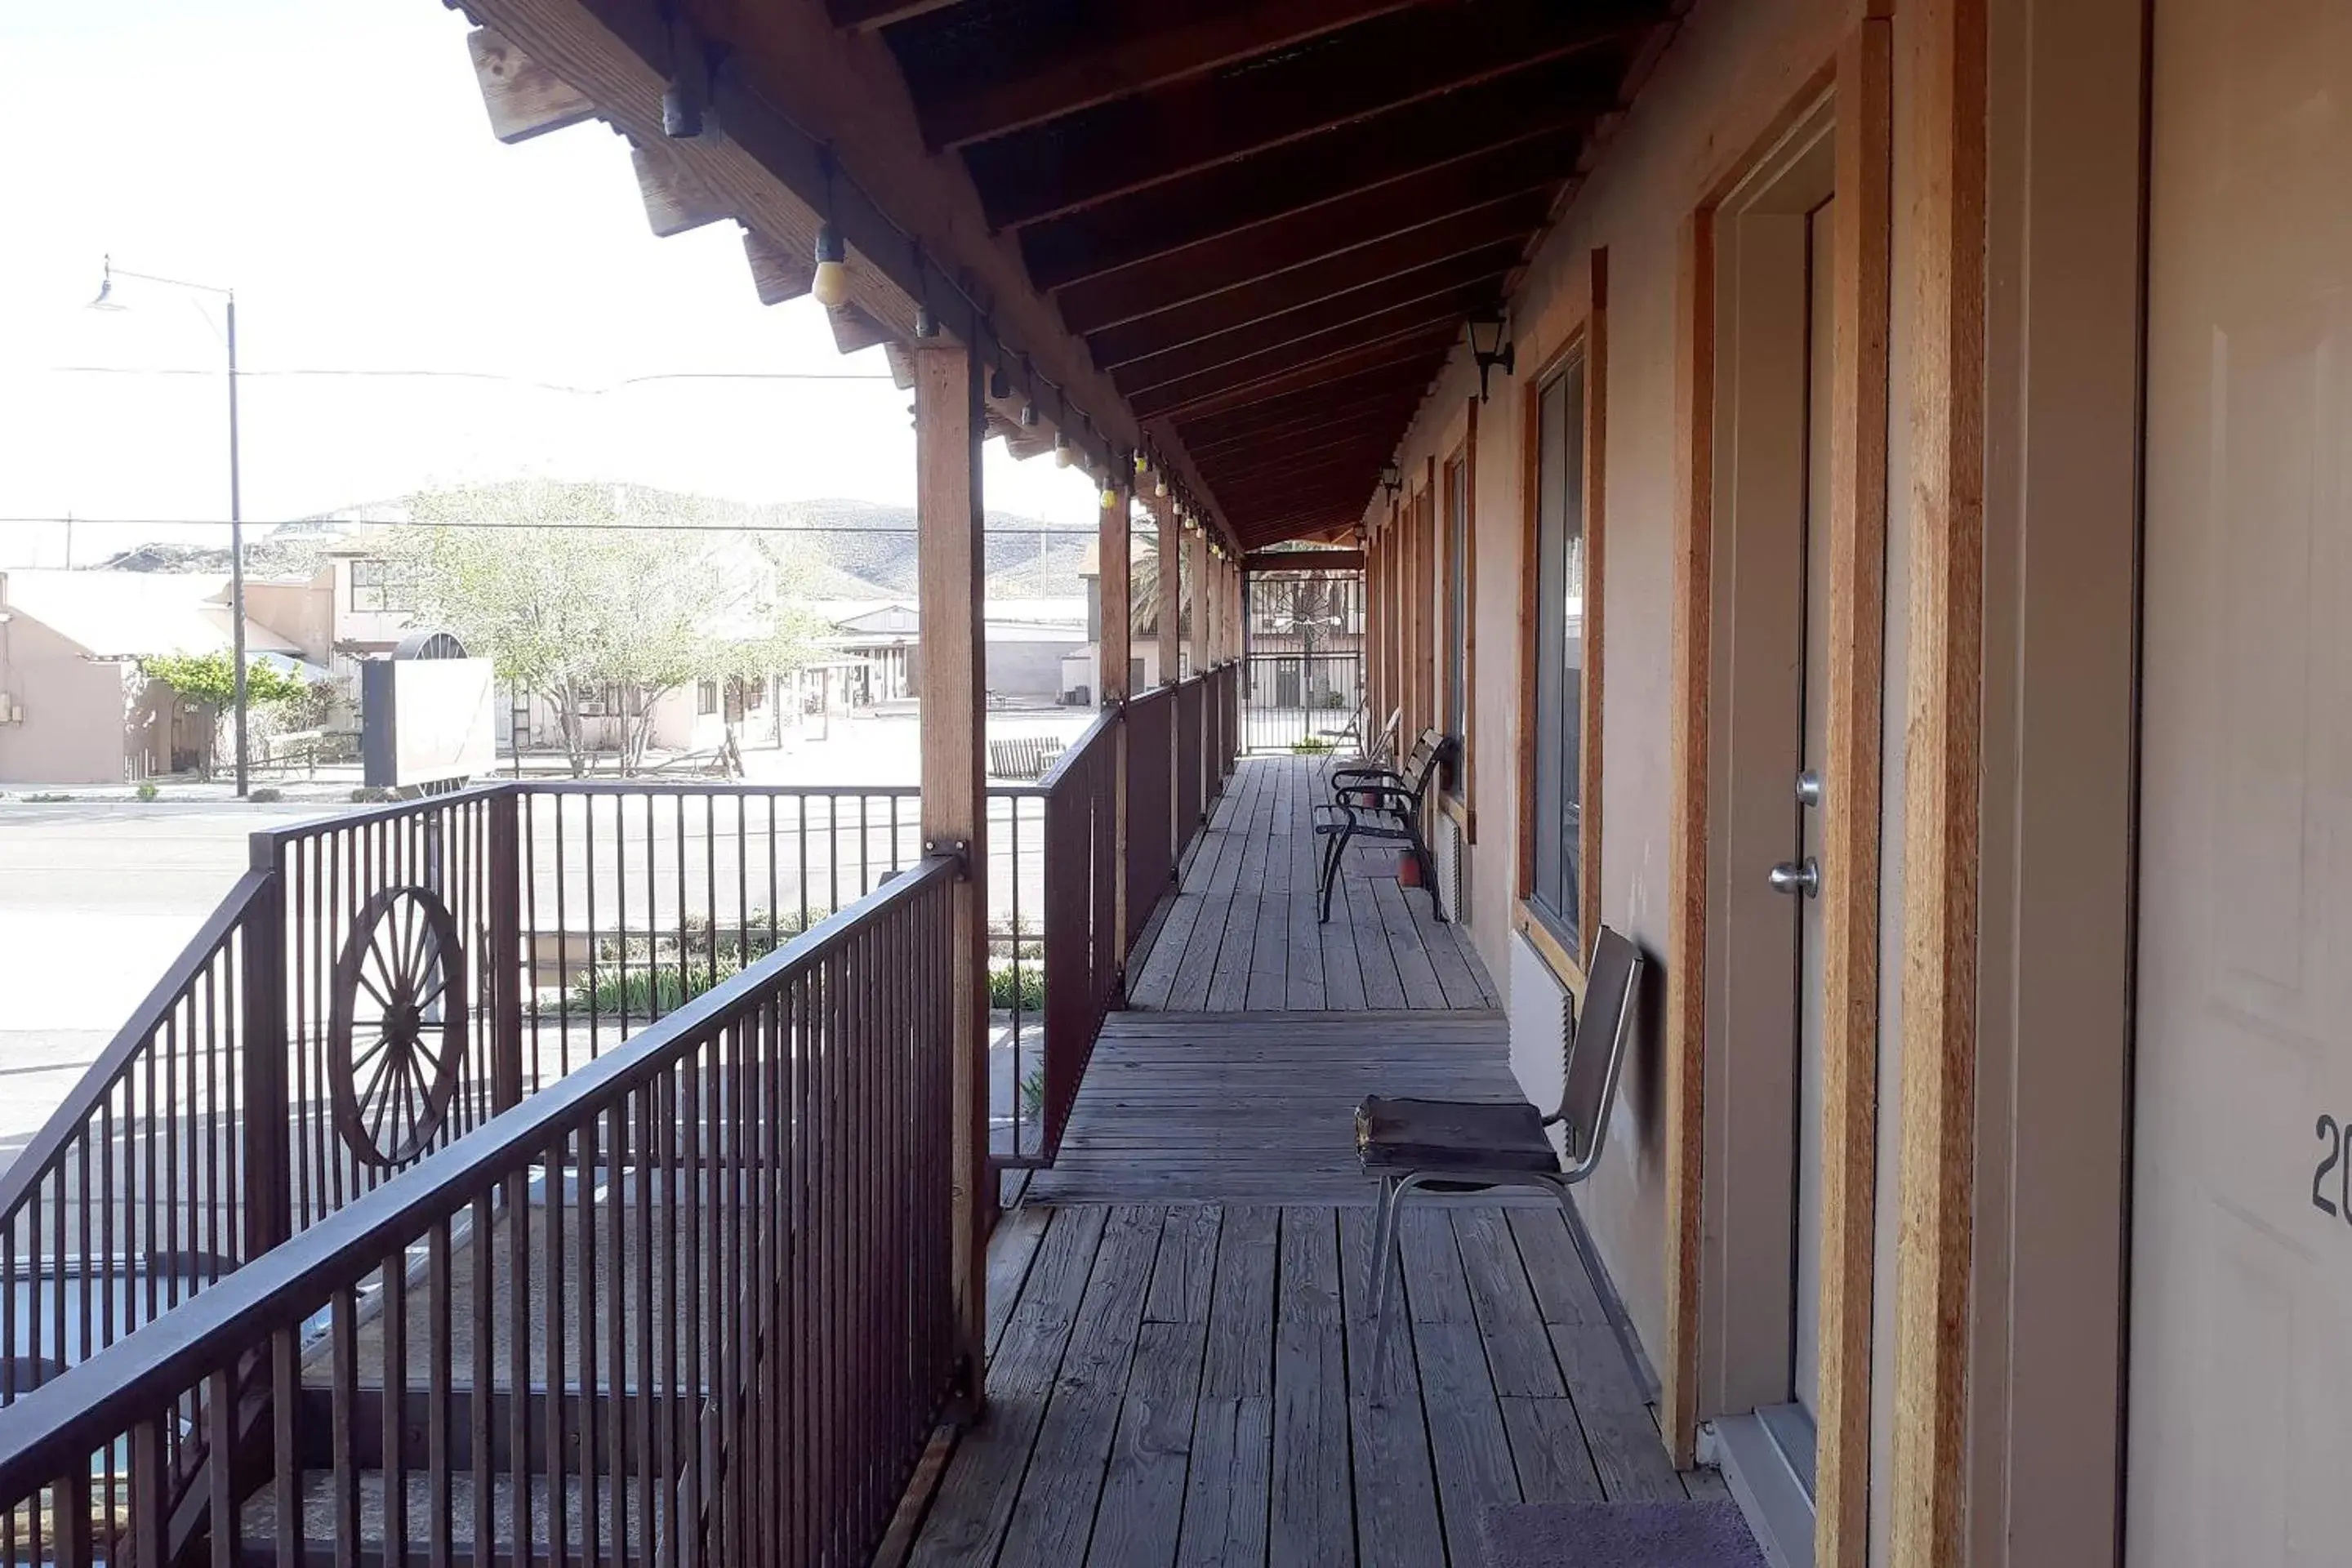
(830, 549)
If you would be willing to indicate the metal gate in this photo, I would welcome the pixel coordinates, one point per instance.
(1303, 669)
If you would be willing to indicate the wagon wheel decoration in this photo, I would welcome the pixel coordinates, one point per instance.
(396, 1033)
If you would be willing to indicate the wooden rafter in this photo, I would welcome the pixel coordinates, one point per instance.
(1423, 291)
(1431, 196)
(1423, 345)
(865, 15)
(1308, 425)
(524, 99)
(1566, 94)
(1386, 64)
(773, 171)
(675, 200)
(1418, 320)
(1338, 391)
(1384, 267)
(1132, 48)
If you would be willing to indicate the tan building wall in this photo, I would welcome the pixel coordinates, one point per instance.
(72, 730)
(1733, 69)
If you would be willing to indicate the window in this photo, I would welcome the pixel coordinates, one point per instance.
(1558, 762)
(705, 698)
(1456, 713)
(375, 586)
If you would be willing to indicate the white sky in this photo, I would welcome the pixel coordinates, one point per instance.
(330, 160)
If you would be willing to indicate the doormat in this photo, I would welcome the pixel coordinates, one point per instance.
(1620, 1535)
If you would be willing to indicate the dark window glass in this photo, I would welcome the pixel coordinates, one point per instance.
(705, 698)
(1457, 602)
(1558, 596)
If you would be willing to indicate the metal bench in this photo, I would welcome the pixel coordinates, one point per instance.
(1023, 756)
(1382, 804)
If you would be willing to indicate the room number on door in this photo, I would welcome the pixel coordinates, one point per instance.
(2332, 1158)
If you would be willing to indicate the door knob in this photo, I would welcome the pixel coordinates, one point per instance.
(1797, 877)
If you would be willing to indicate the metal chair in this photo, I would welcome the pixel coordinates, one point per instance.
(1384, 805)
(1452, 1146)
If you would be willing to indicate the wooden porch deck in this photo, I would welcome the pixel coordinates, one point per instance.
(1240, 933)
(1189, 1385)
(1180, 1338)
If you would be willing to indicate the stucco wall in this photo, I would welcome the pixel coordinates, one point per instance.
(72, 732)
(1735, 67)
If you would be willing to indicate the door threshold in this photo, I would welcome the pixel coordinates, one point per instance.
(1766, 1458)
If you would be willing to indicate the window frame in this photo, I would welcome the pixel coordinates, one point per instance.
(706, 698)
(1583, 336)
(1460, 618)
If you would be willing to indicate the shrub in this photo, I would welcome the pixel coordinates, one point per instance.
(1313, 746)
(662, 986)
(1033, 1090)
(368, 795)
(148, 791)
(45, 797)
(1012, 985)
(265, 796)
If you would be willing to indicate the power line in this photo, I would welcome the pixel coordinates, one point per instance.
(364, 373)
(1073, 530)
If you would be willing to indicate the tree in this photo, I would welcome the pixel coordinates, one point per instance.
(206, 682)
(565, 601)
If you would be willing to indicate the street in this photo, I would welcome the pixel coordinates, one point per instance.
(96, 899)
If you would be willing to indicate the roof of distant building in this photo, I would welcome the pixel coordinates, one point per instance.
(135, 614)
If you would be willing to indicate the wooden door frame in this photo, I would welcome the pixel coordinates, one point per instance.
(1857, 83)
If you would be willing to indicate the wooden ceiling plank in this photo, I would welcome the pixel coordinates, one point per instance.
(1231, 387)
(1563, 95)
(869, 16)
(524, 99)
(1382, 66)
(1504, 229)
(1242, 449)
(1144, 46)
(1343, 389)
(1421, 290)
(1434, 197)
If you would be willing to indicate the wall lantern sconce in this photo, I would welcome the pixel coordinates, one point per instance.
(1487, 347)
(1391, 480)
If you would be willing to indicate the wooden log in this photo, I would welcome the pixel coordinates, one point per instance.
(524, 99)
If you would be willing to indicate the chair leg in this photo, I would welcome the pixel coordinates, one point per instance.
(1428, 873)
(1331, 870)
(1388, 1261)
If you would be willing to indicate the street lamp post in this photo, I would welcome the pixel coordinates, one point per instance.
(106, 301)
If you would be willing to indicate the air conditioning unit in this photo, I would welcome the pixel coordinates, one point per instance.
(1447, 850)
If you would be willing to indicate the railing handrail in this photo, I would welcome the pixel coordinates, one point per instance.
(60, 1423)
(1105, 721)
(82, 1101)
(384, 811)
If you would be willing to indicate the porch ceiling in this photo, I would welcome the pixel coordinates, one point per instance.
(1266, 220)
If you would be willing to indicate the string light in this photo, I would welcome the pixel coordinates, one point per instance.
(830, 283)
(1063, 456)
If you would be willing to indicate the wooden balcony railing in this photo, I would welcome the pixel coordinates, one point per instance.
(691, 1298)
(388, 988)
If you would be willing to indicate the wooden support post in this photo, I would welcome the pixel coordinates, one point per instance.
(948, 577)
(1934, 1252)
(267, 1109)
(1171, 594)
(1114, 656)
(1204, 599)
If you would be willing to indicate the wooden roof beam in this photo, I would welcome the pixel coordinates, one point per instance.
(1382, 65)
(773, 171)
(524, 99)
(1311, 487)
(1314, 425)
(1133, 48)
(1431, 293)
(777, 274)
(1264, 306)
(1260, 378)
(1432, 196)
(1563, 95)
